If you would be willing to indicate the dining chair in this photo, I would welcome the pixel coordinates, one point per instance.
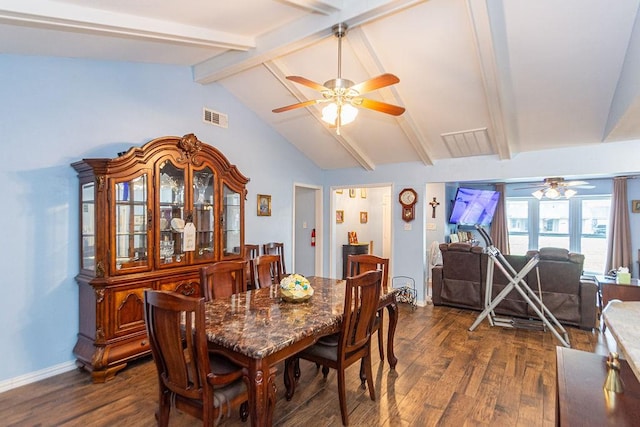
(189, 377)
(358, 264)
(275, 248)
(250, 253)
(351, 344)
(268, 270)
(223, 279)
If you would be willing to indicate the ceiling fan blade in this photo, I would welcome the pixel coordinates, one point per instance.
(375, 83)
(294, 106)
(307, 82)
(574, 183)
(383, 107)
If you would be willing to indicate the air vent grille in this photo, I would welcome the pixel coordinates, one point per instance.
(215, 118)
(468, 143)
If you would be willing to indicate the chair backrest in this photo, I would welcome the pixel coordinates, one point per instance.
(358, 264)
(175, 326)
(223, 279)
(275, 248)
(362, 294)
(268, 270)
(250, 253)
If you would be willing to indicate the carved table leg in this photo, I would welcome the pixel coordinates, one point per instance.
(393, 321)
(262, 393)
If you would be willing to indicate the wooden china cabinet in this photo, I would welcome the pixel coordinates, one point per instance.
(149, 218)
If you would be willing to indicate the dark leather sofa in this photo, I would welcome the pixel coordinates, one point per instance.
(461, 282)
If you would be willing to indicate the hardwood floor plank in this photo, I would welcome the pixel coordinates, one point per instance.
(446, 376)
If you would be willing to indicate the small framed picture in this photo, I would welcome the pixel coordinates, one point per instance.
(363, 193)
(339, 217)
(352, 193)
(353, 237)
(339, 191)
(635, 206)
(364, 217)
(264, 205)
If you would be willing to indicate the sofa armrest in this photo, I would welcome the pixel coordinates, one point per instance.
(588, 303)
(436, 284)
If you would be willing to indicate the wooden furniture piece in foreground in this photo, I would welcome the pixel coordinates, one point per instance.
(202, 385)
(223, 279)
(136, 212)
(622, 317)
(275, 248)
(268, 270)
(358, 264)
(581, 400)
(267, 336)
(351, 344)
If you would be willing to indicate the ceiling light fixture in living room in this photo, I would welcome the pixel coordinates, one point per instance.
(555, 188)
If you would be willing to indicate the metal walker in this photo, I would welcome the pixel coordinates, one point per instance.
(516, 281)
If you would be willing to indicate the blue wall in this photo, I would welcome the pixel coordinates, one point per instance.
(57, 111)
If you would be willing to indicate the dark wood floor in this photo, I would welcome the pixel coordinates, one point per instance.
(446, 376)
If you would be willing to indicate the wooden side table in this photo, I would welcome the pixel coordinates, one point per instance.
(580, 396)
(609, 290)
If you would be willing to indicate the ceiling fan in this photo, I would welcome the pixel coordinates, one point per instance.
(342, 95)
(556, 187)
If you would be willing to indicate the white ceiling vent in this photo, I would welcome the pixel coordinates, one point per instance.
(467, 143)
(215, 118)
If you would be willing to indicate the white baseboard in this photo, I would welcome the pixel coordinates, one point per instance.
(33, 377)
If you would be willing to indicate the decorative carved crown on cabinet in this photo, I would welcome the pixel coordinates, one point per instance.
(149, 218)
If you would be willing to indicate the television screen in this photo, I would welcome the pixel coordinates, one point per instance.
(473, 206)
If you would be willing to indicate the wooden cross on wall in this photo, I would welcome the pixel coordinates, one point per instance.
(434, 204)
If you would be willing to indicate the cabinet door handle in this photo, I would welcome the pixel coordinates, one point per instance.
(143, 343)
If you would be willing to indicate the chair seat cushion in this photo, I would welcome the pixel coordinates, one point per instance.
(329, 352)
(329, 340)
(220, 365)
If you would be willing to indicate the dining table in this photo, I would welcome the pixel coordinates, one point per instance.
(257, 329)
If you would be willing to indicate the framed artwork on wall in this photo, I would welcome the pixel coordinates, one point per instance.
(635, 206)
(364, 216)
(339, 191)
(353, 237)
(264, 205)
(363, 193)
(339, 217)
(352, 193)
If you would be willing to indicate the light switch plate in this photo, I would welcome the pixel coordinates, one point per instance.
(407, 227)
(431, 226)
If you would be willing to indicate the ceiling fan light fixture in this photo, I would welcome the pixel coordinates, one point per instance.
(569, 193)
(538, 194)
(552, 193)
(348, 113)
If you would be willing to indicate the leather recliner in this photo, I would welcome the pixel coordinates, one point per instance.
(461, 282)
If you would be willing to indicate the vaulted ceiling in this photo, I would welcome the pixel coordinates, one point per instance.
(476, 77)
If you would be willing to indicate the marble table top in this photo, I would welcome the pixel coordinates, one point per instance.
(259, 323)
(623, 320)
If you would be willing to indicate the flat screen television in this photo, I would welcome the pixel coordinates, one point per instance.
(473, 206)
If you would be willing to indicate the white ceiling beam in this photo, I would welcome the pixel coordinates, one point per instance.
(496, 80)
(325, 7)
(280, 73)
(371, 62)
(65, 16)
(299, 34)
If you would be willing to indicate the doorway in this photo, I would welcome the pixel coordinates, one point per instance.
(307, 230)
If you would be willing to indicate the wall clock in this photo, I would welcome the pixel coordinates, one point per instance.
(408, 198)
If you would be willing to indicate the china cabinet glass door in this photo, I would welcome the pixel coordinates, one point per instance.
(131, 223)
(88, 255)
(171, 218)
(231, 225)
(204, 213)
